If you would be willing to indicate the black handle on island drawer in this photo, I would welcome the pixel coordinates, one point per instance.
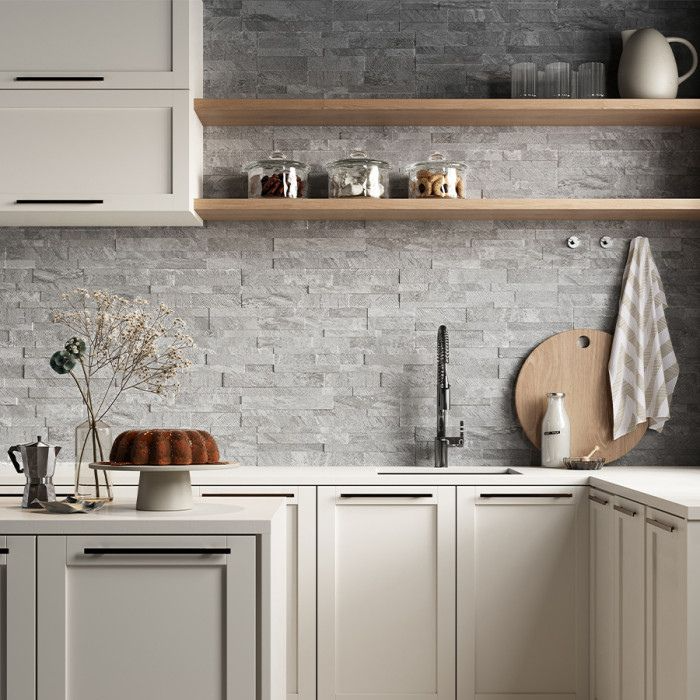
(156, 550)
(386, 495)
(4, 550)
(59, 201)
(526, 495)
(59, 78)
(247, 495)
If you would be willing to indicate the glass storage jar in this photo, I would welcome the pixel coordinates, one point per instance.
(358, 176)
(277, 176)
(437, 177)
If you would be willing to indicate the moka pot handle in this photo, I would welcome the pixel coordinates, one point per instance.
(13, 459)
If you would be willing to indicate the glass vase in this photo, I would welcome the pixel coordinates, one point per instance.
(93, 441)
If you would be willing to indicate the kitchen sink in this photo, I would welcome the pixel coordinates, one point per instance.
(450, 471)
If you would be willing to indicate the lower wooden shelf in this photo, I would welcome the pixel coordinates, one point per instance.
(440, 209)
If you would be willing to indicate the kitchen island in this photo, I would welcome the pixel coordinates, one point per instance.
(124, 603)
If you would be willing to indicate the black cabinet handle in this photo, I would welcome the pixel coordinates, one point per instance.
(526, 495)
(4, 550)
(625, 511)
(58, 78)
(156, 550)
(386, 495)
(659, 524)
(247, 495)
(59, 201)
(599, 500)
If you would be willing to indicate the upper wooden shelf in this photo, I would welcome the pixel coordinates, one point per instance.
(417, 112)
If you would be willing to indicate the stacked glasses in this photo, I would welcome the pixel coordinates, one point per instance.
(557, 81)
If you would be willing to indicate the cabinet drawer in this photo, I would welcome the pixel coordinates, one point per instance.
(72, 157)
(88, 44)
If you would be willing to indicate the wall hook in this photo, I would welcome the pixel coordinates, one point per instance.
(573, 242)
(606, 242)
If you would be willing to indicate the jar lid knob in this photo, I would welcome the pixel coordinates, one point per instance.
(277, 155)
(436, 156)
(358, 153)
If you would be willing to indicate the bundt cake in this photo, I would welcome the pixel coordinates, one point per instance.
(164, 446)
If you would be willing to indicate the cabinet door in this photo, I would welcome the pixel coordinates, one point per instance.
(603, 656)
(144, 617)
(301, 578)
(17, 618)
(666, 607)
(106, 44)
(111, 157)
(628, 598)
(522, 592)
(386, 593)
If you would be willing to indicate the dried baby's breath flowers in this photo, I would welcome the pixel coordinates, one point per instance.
(120, 340)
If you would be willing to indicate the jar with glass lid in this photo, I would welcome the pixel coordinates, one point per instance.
(437, 177)
(358, 176)
(277, 176)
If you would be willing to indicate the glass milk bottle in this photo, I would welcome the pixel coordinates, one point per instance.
(556, 432)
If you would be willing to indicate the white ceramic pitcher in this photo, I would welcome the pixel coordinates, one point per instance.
(648, 67)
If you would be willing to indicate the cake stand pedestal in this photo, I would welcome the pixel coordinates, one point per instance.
(162, 488)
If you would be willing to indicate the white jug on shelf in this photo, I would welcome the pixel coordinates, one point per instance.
(648, 67)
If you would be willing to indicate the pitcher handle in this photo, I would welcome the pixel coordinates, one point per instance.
(13, 459)
(685, 42)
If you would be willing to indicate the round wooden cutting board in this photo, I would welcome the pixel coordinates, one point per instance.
(575, 362)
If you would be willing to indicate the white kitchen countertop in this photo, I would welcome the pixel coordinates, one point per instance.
(675, 490)
(250, 516)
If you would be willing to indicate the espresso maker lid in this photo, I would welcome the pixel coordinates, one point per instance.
(35, 455)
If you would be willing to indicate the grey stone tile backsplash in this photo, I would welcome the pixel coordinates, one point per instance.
(316, 340)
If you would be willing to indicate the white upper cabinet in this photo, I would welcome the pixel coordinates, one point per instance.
(103, 44)
(522, 593)
(386, 593)
(112, 157)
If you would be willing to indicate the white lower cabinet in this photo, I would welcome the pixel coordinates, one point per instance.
(17, 618)
(146, 617)
(522, 593)
(617, 597)
(671, 622)
(386, 593)
(301, 578)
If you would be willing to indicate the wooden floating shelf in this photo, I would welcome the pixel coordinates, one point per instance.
(437, 209)
(464, 112)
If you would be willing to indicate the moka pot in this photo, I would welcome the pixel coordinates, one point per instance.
(38, 466)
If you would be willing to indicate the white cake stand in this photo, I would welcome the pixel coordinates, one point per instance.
(162, 487)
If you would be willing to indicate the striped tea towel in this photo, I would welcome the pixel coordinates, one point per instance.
(643, 368)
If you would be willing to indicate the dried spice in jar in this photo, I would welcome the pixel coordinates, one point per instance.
(277, 176)
(437, 177)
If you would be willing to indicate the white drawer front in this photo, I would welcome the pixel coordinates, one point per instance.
(103, 44)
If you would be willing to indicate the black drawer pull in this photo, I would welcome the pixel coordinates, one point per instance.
(526, 495)
(4, 550)
(599, 500)
(156, 550)
(659, 524)
(247, 495)
(625, 511)
(59, 78)
(386, 495)
(59, 201)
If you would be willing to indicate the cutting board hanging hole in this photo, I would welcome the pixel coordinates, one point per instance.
(583, 341)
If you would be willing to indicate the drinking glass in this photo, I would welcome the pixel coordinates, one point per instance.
(591, 77)
(523, 80)
(557, 80)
